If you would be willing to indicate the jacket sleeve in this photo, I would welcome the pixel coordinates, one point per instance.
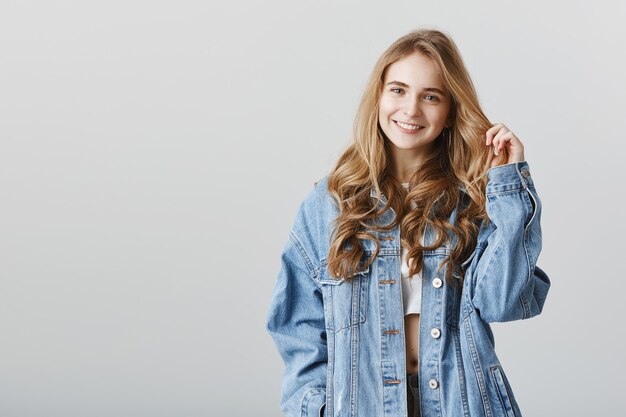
(296, 323)
(505, 282)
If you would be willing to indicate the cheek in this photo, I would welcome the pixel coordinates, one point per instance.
(381, 114)
(438, 117)
(384, 111)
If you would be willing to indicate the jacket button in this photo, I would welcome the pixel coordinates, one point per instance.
(525, 173)
(435, 332)
(437, 282)
(433, 383)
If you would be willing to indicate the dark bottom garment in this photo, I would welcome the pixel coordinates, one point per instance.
(413, 395)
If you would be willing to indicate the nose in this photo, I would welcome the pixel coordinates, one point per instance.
(412, 107)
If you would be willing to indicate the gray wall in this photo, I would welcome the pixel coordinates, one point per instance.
(153, 155)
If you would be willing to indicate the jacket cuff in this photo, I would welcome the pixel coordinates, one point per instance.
(508, 177)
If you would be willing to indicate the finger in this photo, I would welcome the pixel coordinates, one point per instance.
(508, 137)
(491, 136)
(514, 139)
(498, 139)
(504, 138)
(503, 141)
(491, 132)
(500, 134)
(494, 131)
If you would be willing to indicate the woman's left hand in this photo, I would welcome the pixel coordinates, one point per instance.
(500, 136)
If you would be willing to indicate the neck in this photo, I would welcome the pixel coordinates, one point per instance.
(407, 161)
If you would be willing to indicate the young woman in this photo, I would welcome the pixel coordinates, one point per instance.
(426, 230)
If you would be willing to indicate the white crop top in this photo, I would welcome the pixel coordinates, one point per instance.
(411, 286)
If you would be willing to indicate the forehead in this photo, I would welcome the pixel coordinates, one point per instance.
(416, 70)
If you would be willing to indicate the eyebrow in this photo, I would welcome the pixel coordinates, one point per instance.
(432, 89)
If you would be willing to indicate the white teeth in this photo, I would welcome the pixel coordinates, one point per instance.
(410, 127)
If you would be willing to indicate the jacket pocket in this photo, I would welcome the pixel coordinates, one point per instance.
(313, 403)
(346, 300)
(503, 391)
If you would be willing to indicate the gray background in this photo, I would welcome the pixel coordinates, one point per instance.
(153, 155)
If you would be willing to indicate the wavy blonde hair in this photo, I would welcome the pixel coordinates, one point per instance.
(461, 159)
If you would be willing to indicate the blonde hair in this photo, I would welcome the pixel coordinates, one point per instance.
(461, 159)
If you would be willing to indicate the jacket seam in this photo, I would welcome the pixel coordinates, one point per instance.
(311, 270)
(484, 399)
(531, 190)
(481, 277)
(532, 212)
(525, 308)
(461, 372)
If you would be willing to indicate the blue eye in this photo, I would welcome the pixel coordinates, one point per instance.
(393, 89)
(435, 98)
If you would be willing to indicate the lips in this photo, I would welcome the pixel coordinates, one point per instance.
(408, 127)
(407, 123)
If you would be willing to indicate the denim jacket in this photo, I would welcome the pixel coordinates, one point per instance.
(343, 342)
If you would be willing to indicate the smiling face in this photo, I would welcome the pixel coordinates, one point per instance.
(414, 105)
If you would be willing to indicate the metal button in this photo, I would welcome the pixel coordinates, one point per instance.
(435, 332)
(437, 282)
(525, 173)
(433, 383)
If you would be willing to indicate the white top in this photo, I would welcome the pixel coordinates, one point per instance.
(411, 286)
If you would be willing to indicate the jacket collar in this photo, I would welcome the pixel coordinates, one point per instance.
(374, 194)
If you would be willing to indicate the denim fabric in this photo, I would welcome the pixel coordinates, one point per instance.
(343, 342)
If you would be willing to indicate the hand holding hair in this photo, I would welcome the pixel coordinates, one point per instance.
(500, 136)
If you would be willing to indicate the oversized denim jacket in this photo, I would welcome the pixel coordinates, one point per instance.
(343, 342)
